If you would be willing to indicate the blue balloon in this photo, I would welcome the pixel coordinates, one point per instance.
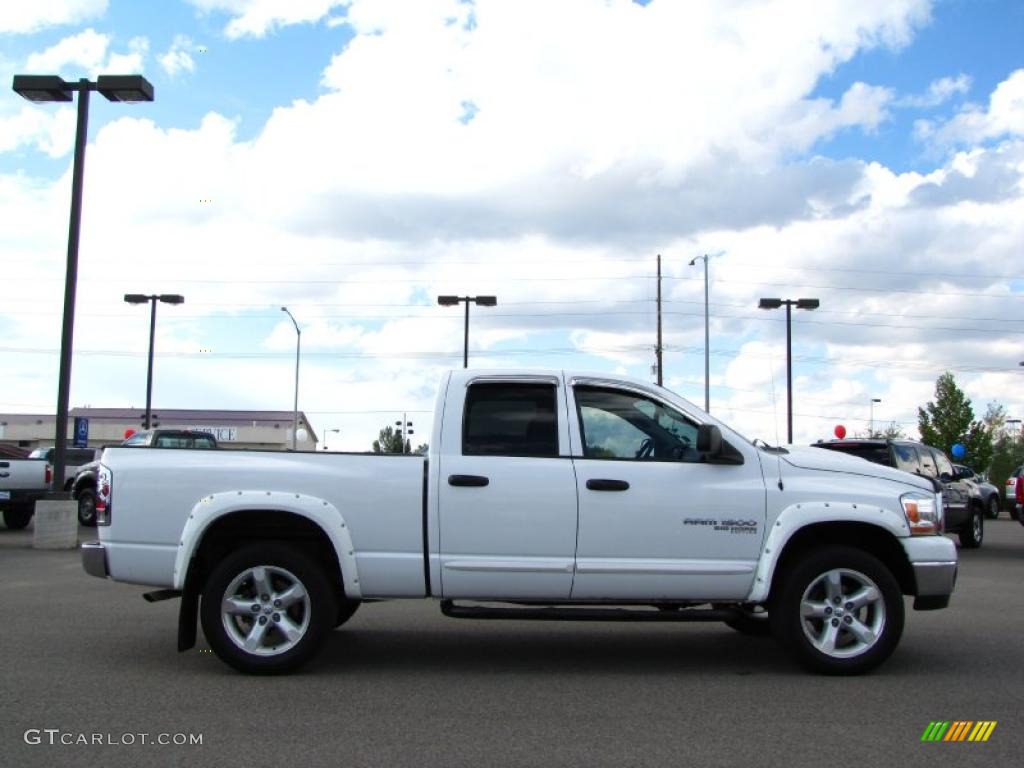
(959, 451)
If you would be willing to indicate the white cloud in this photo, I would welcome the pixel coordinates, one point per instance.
(1003, 117)
(88, 53)
(939, 92)
(669, 129)
(177, 58)
(26, 17)
(257, 18)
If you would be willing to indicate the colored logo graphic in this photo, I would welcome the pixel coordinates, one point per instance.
(958, 730)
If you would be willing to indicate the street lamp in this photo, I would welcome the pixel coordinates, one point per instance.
(707, 363)
(298, 346)
(404, 430)
(44, 88)
(152, 298)
(789, 304)
(871, 423)
(481, 301)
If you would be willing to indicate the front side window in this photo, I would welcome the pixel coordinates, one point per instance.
(928, 463)
(943, 464)
(510, 419)
(622, 425)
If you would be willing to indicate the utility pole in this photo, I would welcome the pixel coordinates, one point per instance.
(658, 350)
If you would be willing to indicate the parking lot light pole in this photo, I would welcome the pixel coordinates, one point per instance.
(707, 334)
(298, 349)
(480, 301)
(46, 88)
(871, 423)
(789, 304)
(152, 298)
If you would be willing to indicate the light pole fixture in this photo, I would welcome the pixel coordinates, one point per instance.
(707, 344)
(404, 430)
(152, 298)
(789, 304)
(298, 347)
(45, 88)
(871, 423)
(480, 301)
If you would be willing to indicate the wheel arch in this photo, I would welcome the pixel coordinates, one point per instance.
(800, 529)
(221, 523)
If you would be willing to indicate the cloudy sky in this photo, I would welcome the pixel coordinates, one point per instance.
(353, 159)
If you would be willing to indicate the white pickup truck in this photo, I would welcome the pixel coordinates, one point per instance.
(545, 495)
(22, 483)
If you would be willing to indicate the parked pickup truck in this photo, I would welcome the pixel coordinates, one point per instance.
(22, 483)
(544, 495)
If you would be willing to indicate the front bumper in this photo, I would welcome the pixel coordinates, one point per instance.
(94, 559)
(934, 563)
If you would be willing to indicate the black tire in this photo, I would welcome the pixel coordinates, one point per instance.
(992, 510)
(346, 609)
(87, 508)
(16, 519)
(750, 623)
(854, 571)
(310, 618)
(973, 532)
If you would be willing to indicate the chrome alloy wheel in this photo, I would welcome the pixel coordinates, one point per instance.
(265, 610)
(842, 613)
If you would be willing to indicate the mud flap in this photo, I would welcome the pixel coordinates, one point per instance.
(188, 612)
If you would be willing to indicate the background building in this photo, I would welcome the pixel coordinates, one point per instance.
(265, 430)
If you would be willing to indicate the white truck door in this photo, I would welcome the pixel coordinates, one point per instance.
(656, 522)
(506, 489)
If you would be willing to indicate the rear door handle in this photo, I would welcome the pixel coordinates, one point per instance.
(468, 481)
(607, 485)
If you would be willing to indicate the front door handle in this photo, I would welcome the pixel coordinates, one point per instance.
(468, 481)
(607, 485)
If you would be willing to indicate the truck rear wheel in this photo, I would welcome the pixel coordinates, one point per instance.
(267, 608)
(839, 611)
(16, 519)
(87, 507)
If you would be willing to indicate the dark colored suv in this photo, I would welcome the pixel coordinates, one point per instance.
(963, 508)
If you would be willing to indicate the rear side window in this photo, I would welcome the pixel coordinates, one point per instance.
(906, 458)
(510, 420)
(878, 454)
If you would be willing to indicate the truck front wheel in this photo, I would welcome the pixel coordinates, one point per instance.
(839, 611)
(267, 608)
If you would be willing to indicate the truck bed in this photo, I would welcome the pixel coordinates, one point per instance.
(378, 497)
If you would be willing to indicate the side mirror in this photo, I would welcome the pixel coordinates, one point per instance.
(709, 440)
(946, 477)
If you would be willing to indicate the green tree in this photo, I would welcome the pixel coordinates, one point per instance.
(949, 419)
(892, 432)
(389, 441)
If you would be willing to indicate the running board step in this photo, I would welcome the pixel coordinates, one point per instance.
(588, 613)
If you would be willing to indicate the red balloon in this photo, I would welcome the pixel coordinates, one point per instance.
(840, 431)
(128, 433)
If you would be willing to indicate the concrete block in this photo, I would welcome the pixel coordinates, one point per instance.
(56, 525)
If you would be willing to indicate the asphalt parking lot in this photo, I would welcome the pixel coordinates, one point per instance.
(402, 685)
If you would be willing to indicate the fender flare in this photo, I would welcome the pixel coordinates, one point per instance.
(218, 505)
(796, 517)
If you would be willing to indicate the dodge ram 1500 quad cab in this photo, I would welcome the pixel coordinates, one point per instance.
(544, 495)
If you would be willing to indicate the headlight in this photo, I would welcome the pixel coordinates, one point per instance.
(923, 512)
